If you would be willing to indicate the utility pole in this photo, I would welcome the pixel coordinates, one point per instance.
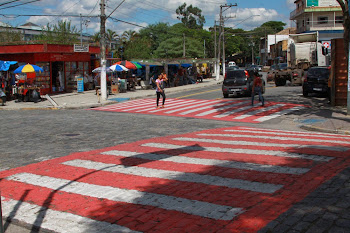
(103, 52)
(81, 30)
(215, 67)
(184, 48)
(217, 75)
(221, 35)
(204, 48)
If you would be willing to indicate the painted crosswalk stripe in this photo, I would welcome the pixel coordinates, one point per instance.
(241, 151)
(286, 133)
(56, 221)
(134, 104)
(205, 107)
(199, 208)
(178, 105)
(234, 111)
(276, 138)
(232, 142)
(168, 104)
(256, 143)
(193, 106)
(174, 175)
(215, 110)
(252, 113)
(145, 106)
(210, 162)
(278, 114)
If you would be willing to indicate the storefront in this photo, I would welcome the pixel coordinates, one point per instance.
(61, 64)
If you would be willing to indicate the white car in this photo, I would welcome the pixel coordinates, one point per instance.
(231, 63)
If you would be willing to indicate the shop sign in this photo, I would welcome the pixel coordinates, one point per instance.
(312, 3)
(80, 84)
(81, 48)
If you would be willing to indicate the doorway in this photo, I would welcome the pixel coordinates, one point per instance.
(58, 79)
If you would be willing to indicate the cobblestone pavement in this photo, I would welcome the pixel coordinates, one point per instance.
(326, 210)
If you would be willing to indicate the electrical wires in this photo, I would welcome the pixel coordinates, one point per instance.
(17, 4)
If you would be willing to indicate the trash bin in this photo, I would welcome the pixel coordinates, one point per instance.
(122, 87)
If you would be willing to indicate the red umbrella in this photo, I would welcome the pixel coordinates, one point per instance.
(127, 64)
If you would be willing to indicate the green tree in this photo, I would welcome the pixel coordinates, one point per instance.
(156, 33)
(62, 32)
(139, 48)
(96, 37)
(276, 26)
(190, 16)
(10, 35)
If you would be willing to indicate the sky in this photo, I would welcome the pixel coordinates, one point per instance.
(136, 14)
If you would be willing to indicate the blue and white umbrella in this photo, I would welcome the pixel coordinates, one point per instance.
(117, 67)
(99, 69)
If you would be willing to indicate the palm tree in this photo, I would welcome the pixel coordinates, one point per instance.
(128, 35)
(96, 37)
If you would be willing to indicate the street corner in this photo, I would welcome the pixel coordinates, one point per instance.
(234, 179)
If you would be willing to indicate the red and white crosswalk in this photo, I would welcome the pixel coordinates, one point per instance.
(229, 179)
(225, 110)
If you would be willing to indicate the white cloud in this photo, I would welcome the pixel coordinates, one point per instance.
(147, 12)
(290, 4)
(249, 18)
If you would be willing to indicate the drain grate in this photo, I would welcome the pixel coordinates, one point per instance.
(71, 134)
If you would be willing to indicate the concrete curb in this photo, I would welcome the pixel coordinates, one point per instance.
(324, 130)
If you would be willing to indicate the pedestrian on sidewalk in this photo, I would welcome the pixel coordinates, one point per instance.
(160, 88)
(257, 88)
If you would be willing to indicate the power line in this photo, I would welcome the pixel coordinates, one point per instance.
(20, 4)
(9, 2)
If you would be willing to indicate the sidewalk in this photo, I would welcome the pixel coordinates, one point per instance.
(89, 99)
(332, 120)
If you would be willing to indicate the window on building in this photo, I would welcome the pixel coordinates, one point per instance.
(339, 19)
(303, 23)
(322, 20)
(308, 21)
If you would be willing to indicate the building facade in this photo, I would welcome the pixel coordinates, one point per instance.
(324, 16)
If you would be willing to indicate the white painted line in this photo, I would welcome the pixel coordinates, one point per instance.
(146, 105)
(275, 138)
(169, 103)
(222, 108)
(210, 162)
(228, 113)
(252, 113)
(214, 211)
(285, 132)
(194, 106)
(241, 151)
(174, 175)
(278, 114)
(56, 221)
(205, 107)
(232, 142)
(179, 104)
(249, 143)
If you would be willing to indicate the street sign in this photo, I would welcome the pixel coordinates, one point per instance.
(81, 48)
(80, 84)
(326, 45)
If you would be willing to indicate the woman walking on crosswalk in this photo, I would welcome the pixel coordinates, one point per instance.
(160, 87)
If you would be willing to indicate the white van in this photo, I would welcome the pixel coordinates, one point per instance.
(231, 63)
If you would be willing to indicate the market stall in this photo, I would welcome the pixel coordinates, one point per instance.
(26, 89)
